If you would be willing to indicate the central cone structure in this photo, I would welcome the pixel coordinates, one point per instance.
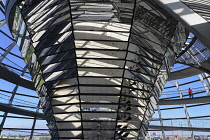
(98, 66)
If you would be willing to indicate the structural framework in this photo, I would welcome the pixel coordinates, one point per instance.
(99, 66)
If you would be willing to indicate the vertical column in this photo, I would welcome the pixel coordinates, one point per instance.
(184, 107)
(201, 76)
(34, 122)
(161, 121)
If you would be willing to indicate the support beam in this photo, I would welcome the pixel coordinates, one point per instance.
(2, 22)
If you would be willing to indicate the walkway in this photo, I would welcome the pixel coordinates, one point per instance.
(184, 73)
(171, 128)
(14, 78)
(185, 101)
(19, 111)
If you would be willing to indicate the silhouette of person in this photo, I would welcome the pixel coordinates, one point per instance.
(190, 93)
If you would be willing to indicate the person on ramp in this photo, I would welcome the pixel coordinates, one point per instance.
(190, 93)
